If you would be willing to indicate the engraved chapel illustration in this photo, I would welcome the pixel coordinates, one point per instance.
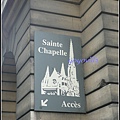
(58, 83)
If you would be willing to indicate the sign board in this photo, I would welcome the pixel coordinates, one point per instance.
(58, 79)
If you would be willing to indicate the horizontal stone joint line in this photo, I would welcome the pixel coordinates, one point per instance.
(55, 28)
(8, 112)
(91, 22)
(88, 8)
(8, 101)
(9, 64)
(8, 81)
(98, 34)
(78, 17)
(19, 12)
(25, 114)
(108, 13)
(23, 50)
(99, 69)
(15, 27)
(22, 22)
(8, 72)
(97, 17)
(24, 64)
(24, 80)
(109, 46)
(31, 91)
(54, 13)
(76, 3)
(81, 2)
(8, 57)
(21, 37)
(8, 91)
(108, 83)
(107, 104)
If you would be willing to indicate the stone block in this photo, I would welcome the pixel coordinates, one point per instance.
(26, 87)
(91, 14)
(9, 86)
(23, 58)
(56, 31)
(10, 116)
(110, 21)
(92, 30)
(113, 73)
(22, 14)
(21, 31)
(101, 97)
(109, 112)
(85, 5)
(9, 61)
(22, 43)
(9, 68)
(94, 45)
(11, 96)
(25, 71)
(25, 105)
(111, 38)
(59, 7)
(9, 106)
(8, 77)
(110, 6)
(55, 21)
(108, 73)
(106, 55)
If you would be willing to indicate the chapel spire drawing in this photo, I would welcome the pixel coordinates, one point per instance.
(58, 83)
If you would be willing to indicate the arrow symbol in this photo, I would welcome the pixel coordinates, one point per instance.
(43, 103)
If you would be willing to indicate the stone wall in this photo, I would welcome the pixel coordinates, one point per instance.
(96, 22)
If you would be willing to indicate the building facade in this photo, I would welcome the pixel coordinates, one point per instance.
(95, 22)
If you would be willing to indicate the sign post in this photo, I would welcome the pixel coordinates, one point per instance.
(59, 83)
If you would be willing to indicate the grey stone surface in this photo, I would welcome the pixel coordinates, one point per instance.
(85, 5)
(25, 88)
(110, 21)
(91, 13)
(21, 31)
(104, 56)
(8, 77)
(59, 7)
(23, 58)
(9, 86)
(55, 21)
(22, 44)
(102, 97)
(111, 38)
(22, 15)
(9, 96)
(108, 73)
(62, 32)
(25, 105)
(110, 6)
(105, 113)
(9, 106)
(25, 71)
(11, 116)
(92, 30)
(9, 68)
(9, 61)
(96, 44)
(65, 23)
